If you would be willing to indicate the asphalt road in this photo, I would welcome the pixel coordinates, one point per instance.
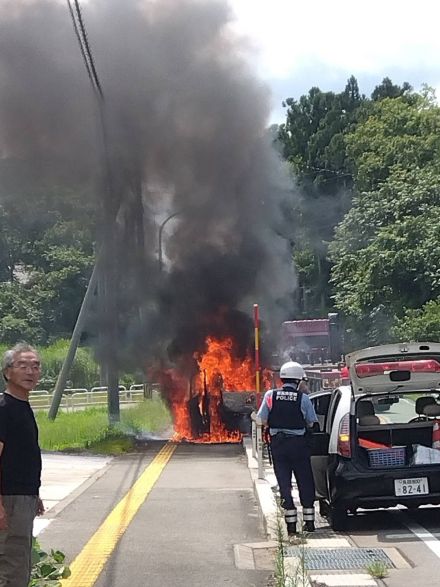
(184, 531)
(415, 534)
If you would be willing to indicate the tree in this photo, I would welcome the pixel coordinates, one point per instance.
(422, 324)
(20, 318)
(59, 289)
(386, 89)
(368, 177)
(386, 253)
(45, 260)
(395, 134)
(313, 135)
(313, 142)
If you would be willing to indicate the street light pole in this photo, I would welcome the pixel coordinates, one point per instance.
(160, 236)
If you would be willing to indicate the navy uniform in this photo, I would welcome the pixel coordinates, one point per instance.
(289, 412)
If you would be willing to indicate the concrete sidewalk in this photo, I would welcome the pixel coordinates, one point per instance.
(64, 477)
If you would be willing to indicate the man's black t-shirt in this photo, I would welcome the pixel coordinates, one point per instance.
(20, 461)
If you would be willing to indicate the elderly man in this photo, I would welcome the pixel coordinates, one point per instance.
(20, 465)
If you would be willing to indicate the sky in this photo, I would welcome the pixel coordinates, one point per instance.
(296, 45)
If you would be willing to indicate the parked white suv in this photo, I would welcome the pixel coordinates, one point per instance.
(365, 460)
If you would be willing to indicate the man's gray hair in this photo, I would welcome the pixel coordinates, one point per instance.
(9, 355)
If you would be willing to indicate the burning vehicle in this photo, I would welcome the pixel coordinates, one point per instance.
(214, 403)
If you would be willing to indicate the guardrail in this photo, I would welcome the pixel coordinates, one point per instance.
(80, 398)
(257, 443)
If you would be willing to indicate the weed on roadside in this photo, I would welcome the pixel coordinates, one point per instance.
(292, 572)
(48, 568)
(377, 569)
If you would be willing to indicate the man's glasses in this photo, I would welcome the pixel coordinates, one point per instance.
(34, 367)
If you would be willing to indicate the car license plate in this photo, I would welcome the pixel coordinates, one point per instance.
(414, 486)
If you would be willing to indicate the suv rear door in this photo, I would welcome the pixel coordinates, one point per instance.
(394, 368)
(319, 441)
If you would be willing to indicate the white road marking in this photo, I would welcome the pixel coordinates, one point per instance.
(327, 543)
(422, 533)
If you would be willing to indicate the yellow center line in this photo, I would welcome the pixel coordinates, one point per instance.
(88, 565)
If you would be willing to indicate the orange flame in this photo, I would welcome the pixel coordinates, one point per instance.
(219, 370)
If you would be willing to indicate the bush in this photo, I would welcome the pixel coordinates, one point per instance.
(84, 371)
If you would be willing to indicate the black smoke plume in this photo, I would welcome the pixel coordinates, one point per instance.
(186, 132)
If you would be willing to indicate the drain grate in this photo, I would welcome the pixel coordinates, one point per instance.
(338, 559)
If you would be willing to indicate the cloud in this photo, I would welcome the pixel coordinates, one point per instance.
(344, 34)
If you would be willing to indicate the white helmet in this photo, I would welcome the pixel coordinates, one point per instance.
(292, 370)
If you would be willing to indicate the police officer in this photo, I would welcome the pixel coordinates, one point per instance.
(289, 412)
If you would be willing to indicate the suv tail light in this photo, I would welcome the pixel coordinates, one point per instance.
(344, 448)
(372, 369)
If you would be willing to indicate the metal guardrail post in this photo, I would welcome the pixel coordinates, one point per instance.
(254, 435)
(259, 427)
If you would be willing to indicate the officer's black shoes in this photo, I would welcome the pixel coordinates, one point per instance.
(309, 526)
(291, 529)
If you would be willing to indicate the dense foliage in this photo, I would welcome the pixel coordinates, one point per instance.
(375, 233)
(46, 254)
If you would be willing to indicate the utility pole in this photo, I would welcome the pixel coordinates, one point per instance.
(108, 229)
(109, 324)
(74, 342)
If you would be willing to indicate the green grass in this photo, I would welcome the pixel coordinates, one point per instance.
(113, 445)
(89, 429)
(149, 416)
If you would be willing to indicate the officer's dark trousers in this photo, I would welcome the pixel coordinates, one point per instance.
(291, 454)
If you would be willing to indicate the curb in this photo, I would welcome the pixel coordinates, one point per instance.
(268, 508)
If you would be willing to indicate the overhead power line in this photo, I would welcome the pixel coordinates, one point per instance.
(78, 37)
(81, 35)
(107, 253)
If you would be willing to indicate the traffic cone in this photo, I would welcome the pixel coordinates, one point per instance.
(436, 435)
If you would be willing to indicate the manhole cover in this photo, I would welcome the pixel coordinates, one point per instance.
(347, 559)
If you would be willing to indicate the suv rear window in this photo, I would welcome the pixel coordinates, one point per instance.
(399, 408)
